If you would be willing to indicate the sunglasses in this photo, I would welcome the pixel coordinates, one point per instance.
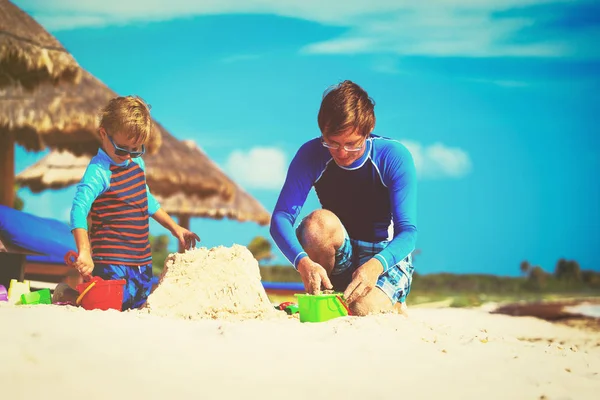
(121, 152)
(337, 146)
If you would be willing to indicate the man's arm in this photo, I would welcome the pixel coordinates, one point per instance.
(399, 175)
(298, 183)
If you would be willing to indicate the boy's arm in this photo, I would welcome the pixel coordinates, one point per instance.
(186, 238)
(94, 182)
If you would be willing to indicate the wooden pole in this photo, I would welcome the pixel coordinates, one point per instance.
(7, 169)
(184, 222)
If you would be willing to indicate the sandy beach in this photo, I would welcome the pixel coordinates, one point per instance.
(63, 352)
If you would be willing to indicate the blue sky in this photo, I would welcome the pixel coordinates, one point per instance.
(497, 101)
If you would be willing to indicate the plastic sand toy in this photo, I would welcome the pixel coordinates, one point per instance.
(16, 289)
(3, 293)
(38, 297)
(289, 307)
(321, 307)
(100, 294)
(97, 293)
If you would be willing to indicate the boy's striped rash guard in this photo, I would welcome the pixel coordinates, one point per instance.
(120, 204)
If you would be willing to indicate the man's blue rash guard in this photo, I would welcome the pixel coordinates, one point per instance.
(95, 181)
(375, 197)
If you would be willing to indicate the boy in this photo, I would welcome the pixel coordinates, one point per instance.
(114, 192)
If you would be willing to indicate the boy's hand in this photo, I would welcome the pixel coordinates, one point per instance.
(186, 238)
(84, 263)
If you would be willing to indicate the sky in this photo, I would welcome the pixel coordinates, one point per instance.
(497, 100)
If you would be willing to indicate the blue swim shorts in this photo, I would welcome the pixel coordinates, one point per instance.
(139, 282)
(395, 282)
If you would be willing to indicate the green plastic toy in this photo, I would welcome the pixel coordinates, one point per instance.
(39, 297)
(321, 307)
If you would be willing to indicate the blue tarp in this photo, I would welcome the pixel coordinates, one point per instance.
(48, 236)
(54, 239)
(292, 286)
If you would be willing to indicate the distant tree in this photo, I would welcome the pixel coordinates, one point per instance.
(568, 271)
(537, 278)
(525, 267)
(160, 250)
(414, 254)
(261, 249)
(18, 202)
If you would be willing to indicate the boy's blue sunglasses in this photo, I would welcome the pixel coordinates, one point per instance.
(121, 152)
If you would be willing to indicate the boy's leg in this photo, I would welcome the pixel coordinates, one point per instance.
(139, 285)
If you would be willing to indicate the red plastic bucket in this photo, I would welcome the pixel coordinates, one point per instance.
(103, 295)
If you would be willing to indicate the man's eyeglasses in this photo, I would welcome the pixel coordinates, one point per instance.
(121, 152)
(337, 146)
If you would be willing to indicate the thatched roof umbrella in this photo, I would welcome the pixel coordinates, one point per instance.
(29, 55)
(167, 180)
(175, 168)
(61, 117)
(61, 169)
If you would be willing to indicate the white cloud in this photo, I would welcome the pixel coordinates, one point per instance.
(402, 27)
(439, 161)
(259, 167)
(500, 82)
(239, 58)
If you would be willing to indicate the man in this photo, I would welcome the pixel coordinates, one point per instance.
(361, 241)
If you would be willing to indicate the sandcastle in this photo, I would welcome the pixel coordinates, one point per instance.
(217, 283)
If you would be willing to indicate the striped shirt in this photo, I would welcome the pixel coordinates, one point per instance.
(120, 204)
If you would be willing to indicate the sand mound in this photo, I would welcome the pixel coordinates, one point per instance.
(216, 283)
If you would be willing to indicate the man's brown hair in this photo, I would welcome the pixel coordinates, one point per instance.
(346, 105)
(129, 115)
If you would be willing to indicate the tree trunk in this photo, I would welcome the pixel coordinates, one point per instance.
(7, 169)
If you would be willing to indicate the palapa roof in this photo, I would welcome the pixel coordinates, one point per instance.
(178, 166)
(241, 207)
(29, 55)
(63, 117)
(167, 172)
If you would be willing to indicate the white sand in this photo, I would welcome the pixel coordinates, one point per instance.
(217, 283)
(176, 348)
(434, 354)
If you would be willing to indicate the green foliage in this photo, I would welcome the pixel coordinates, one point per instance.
(473, 289)
(160, 250)
(279, 273)
(261, 249)
(537, 279)
(525, 267)
(18, 203)
(568, 271)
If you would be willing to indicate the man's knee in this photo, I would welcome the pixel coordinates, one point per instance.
(320, 227)
(375, 302)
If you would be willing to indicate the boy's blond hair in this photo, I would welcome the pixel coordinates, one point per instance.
(128, 115)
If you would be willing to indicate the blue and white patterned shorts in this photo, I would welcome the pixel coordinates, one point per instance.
(139, 281)
(396, 282)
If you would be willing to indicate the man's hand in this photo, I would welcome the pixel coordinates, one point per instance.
(313, 276)
(84, 263)
(186, 238)
(363, 280)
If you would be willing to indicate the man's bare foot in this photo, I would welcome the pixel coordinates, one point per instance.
(401, 309)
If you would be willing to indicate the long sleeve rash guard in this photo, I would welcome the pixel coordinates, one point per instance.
(375, 198)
